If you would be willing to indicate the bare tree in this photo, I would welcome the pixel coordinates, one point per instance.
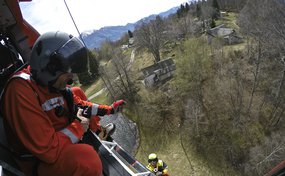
(117, 77)
(152, 36)
(262, 157)
(207, 12)
(265, 21)
(186, 25)
(231, 5)
(107, 82)
(257, 60)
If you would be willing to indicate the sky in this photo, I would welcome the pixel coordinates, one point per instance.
(52, 15)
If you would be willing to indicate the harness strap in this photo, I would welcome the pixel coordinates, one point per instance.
(68, 96)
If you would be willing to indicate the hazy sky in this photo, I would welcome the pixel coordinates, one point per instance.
(52, 15)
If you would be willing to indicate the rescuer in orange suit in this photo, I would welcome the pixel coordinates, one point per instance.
(43, 126)
(94, 124)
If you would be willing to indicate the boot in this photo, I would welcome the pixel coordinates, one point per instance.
(107, 131)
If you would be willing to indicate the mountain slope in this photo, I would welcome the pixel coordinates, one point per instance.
(113, 33)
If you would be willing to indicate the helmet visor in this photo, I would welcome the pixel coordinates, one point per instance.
(73, 56)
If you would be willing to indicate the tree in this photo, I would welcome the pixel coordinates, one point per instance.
(187, 7)
(152, 36)
(213, 23)
(117, 78)
(270, 153)
(232, 5)
(207, 12)
(93, 65)
(180, 12)
(216, 7)
(183, 10)
(130, 34)
(198, 10)
(105, 52)
(265, 22)
(186, 26)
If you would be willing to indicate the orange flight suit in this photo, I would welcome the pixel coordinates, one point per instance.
(33, 127)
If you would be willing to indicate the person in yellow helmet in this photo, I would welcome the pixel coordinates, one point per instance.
(157, 166)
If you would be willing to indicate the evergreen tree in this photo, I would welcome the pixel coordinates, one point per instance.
(213, 23)
(183, 10)
(216, 7)
(180, 11)
(182, 7)
(93, 65)
(130, 34)
(187, 7)
(198, 10)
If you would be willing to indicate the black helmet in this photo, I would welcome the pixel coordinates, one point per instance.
(55, 53)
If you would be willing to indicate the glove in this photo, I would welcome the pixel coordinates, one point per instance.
(83, 120)
(117, 106)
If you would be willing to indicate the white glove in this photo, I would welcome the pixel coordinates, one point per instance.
(84, 120)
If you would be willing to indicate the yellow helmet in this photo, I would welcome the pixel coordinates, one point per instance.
(152, 157)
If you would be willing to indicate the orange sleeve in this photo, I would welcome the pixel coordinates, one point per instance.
(78, 100)
(79, 92)
(31, 124)
(96, 109)
(94, 123)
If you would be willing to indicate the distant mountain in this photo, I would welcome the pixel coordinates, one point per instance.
(94, 39)
(112, 33)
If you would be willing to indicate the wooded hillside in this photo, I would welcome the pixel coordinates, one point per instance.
(222, 113)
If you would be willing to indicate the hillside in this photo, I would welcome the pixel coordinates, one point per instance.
(222, 111)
